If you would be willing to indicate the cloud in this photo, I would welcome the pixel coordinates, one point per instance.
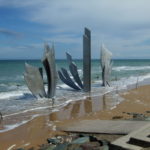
(123, 25)
(28, 51)
(11, 33)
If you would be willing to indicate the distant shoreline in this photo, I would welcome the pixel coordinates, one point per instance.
(74, 59)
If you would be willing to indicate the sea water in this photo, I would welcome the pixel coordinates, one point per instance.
(16, 99)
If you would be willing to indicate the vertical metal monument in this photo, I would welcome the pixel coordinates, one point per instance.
(34, 76)
(65, 77)
(74, 70)
(87, 60)
(50, 67)
(106, 65)
(34, 80)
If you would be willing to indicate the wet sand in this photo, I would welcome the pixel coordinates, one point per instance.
(35, 132)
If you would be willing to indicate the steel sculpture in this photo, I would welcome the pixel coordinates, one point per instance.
(50, 67)
(106, 65)
(34, 81)
(34, 76)
(87, 60)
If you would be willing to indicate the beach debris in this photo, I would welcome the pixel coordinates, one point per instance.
(34, 80)
(148, 111)
(1, 117)
(138, 116)
(117, 117)
(66, 78)
(106, 65)
(81, 140)
(11, 147)
(137, 82)
(78, 142)
(87, 60)
(53, 141)
(34, 76)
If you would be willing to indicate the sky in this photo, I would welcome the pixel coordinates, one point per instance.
(122, 25)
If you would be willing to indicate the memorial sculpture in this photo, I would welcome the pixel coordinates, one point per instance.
(106, 65)
(50, 67)
(87, 60)
(65, 77)
(77, 83)
(74, 70)
(34, 76)
(34, 79)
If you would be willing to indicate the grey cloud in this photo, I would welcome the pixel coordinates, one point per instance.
(120, 24)
(7, 32)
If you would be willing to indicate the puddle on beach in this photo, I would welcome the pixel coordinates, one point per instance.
(86, 107)
(73, 110)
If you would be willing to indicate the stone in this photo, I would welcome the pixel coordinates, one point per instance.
(87, 60)
(81, 140)
(34, 81)
(53, 141)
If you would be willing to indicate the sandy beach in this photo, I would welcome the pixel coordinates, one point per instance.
(35, 132)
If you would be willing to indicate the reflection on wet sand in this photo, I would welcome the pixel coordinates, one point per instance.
(85, 107)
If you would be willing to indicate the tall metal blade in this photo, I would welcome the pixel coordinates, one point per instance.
(50, 67)
(87, 60)
(74, 70)
(69, 58)
(34, 81)
(68, 82)
(106, 65)
(66, 75)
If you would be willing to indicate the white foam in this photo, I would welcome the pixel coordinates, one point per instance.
(28, 110)
(130, 68)
(13, 126)
(10, 94)
(124, 82)
(63, 86)
(12, 146)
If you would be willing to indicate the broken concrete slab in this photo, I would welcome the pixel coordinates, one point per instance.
(104, 126)
(136, 140)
